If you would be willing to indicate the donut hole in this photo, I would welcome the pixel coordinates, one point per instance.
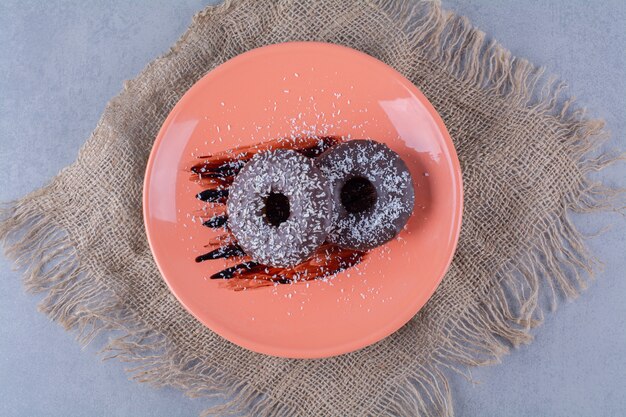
(358, 194)
(277, 208)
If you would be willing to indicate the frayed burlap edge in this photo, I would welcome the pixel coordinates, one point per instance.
(480, 335)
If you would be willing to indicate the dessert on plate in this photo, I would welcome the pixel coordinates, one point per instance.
(278, 208)
(296, 210)
(371, 192)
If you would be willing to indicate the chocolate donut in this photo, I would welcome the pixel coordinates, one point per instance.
(278, 208)
(371, 190)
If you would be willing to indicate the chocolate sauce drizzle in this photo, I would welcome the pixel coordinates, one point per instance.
(328, 260)
(228, 251)
(236, 270)
(213, 195)
(216, 222)
(221, 168)
(216, 173)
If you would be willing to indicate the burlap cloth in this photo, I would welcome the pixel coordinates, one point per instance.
(525, 159)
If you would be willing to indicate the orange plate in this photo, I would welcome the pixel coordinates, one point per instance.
(302, 89)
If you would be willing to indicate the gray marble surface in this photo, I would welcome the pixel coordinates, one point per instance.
(61, 61)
